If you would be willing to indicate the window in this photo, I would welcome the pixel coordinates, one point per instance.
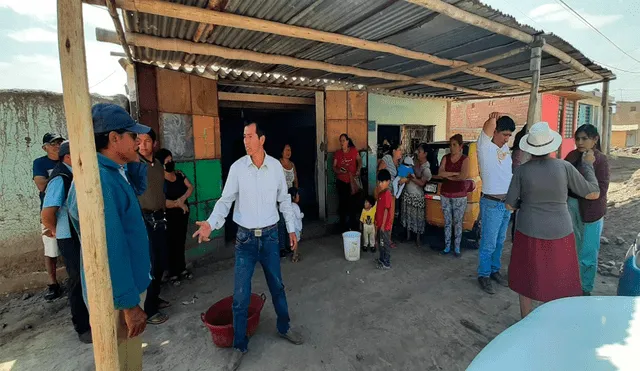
(632, 108)
(568, 119)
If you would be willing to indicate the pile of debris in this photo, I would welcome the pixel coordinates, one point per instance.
(626, 151)
(610, 268)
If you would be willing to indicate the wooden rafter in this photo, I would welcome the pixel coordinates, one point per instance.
(209, 16)
(205, 29)
(499, 28)
(434, 76)
(178, 45)
(265, 98)
(113, 12)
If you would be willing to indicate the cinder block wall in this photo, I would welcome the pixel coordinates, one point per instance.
(467, 117)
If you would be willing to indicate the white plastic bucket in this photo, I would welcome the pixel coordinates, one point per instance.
(351, 242)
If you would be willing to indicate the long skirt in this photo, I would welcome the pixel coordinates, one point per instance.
(544, 270)
(412, 212)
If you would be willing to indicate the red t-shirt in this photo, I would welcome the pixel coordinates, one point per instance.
(384, 203)
(349, 161)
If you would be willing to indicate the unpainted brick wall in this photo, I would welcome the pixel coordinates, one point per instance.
(467, 117)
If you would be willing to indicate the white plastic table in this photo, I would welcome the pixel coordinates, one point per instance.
(594, 333)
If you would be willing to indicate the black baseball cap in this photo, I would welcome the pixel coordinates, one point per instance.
(109, 117)
(51, 137)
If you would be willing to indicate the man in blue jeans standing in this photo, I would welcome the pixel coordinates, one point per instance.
(494, 158)
(256, 183)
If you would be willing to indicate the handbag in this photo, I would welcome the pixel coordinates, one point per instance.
(356, 184)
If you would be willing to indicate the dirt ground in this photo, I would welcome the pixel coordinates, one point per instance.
(427, 313)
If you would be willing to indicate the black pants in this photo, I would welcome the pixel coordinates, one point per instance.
(157, 232)
(177, 224)
(70, 249)
(348, 206)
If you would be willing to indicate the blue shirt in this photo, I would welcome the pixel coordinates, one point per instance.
(42, 166)
(55, 196)
(127, 240)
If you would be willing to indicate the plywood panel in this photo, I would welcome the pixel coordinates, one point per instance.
(334, 129)
(357, 105)
(204, 138)
(216, 133)
(204, 96)
(174, 92)
(147, 88)
(357, 131)
(336, 104)
(177, 135)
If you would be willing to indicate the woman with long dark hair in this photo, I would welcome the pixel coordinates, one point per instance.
(518, 157)
(588, 215)
(346, 165)
(177, 189)
(413, 208)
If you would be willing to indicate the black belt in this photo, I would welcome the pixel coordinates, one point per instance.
(257, 232)
(492, 198)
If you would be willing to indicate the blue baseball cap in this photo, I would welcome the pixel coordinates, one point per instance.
(109, 117)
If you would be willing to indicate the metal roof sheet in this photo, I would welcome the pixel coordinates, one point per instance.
(390, 21)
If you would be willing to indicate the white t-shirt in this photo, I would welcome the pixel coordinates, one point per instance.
(495, 166)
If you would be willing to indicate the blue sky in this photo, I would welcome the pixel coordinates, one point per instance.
(30, 53)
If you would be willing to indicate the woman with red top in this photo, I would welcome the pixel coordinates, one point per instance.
(588, 215)
(347, 164)
(454, 170)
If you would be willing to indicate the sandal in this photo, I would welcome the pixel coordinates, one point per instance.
(186, 275)
(158, 319)
(296, 258)
(175, 280)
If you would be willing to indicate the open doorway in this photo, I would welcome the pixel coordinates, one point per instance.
(296, 127)
(387, 135)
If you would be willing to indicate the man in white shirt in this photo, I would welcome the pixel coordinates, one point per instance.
(494, 158)
(256, 183)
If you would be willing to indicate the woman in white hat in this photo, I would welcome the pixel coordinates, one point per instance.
(544, 264)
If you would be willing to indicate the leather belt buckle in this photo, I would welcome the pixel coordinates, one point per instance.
(257, 232)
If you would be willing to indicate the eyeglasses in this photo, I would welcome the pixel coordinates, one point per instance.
(57, 143)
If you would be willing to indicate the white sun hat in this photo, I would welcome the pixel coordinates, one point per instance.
(540, 140)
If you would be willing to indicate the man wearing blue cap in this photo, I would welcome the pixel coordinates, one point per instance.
(127, 241)
(42, 167)
(56, 221)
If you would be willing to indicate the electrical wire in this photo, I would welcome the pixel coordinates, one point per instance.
(574, 12)
(103, 80)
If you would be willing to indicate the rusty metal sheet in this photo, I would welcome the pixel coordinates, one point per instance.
(334, 129)
(336, 104)
(357, 131)
(357, 105)
(174, 92)
(147, 89)
(150, 118)
(177, 135)
(204, 96)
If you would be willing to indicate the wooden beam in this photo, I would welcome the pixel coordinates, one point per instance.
(533, 112)
(263, 98)
(113, 12)
(321, 162)
(606, 119)
(178, 45)
(205, 29)
(453, 71)
(196, 14)
(252, 84)
(499, 28)
(77, 107)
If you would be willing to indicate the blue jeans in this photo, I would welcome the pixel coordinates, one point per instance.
(250, 250)
(495, 222)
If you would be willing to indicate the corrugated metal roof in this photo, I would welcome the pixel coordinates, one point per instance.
(390, 21)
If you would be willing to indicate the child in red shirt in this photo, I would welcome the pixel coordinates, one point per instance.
(383, 219)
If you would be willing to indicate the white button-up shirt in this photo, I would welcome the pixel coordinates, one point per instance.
(257, 193)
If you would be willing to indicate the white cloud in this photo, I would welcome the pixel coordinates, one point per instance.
(556, 13)
(30, 35)
(46, 11)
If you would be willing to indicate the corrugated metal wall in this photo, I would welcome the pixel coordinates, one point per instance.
(183, 109)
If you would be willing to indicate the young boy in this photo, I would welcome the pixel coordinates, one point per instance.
(383, 219)
(295, 200)
(367, 226)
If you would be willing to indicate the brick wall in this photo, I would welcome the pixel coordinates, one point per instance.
(468, 117)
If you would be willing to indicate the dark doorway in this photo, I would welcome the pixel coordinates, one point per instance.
(296, 127)
(388, 133)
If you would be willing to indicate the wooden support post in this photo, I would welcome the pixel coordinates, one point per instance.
(132, 88)
(533, 114)
(77, 106)
(321, 160)
(606, 121)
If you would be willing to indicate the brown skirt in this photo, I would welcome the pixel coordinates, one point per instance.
(544, 270)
